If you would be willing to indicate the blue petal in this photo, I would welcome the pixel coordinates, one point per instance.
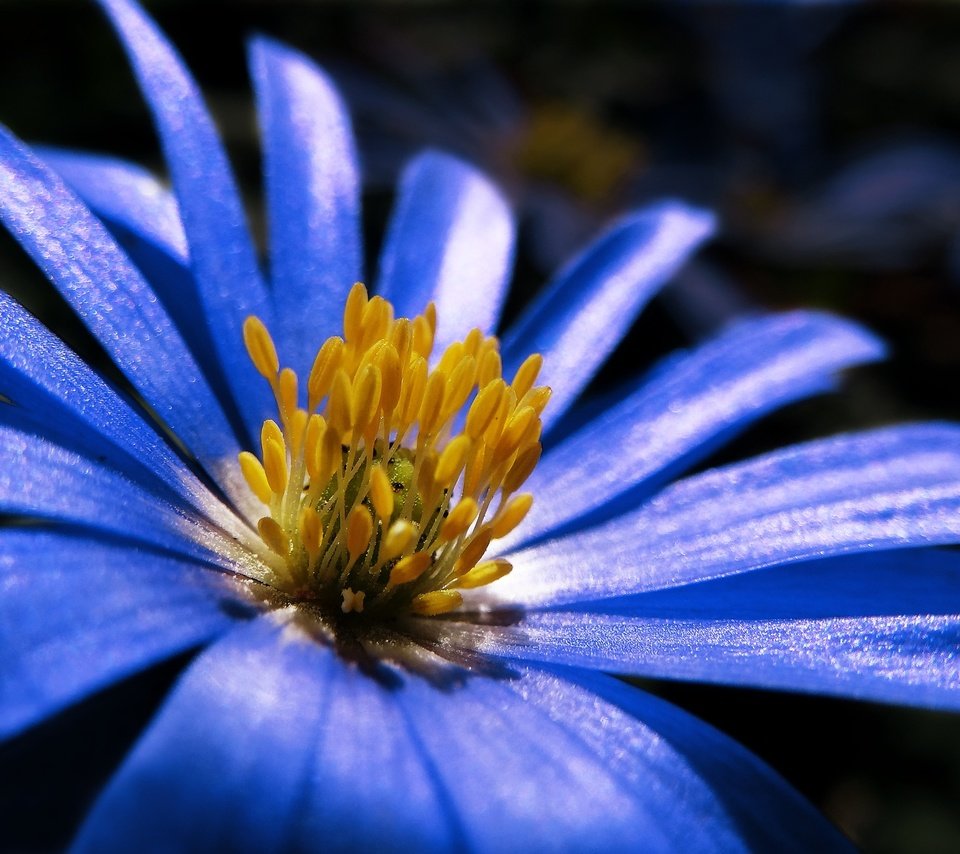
(681, 414)
(123, 194)
(142, 215)
(272, 743)
(887, 488)
(880, 626)
(451, 241)
(44, 480)
(77, 615)
(63, 399)
(221, 252)
(313, 198)
(580, 317)
(82, 260)
(532, 762)
(767, 814)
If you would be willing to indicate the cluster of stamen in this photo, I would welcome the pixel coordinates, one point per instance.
(385, 492)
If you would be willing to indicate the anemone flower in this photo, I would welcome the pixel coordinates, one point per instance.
(396, 649)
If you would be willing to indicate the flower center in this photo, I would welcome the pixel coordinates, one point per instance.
(385, 492)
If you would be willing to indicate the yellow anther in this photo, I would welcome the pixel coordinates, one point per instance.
(430, 315)
(422, 337)
(275, 465)
(471, 344)
(274, 536)
(255, 476)
(483, 408)
(331, 454)
(475, 472)
(432, 407)
(511, 515)
(451, 357)
(538, 397)
(426, 482)
(489, 368)
(353, 312)
(401, 535)
(412, 391)
(352, 601)
(513, 433)
(287, 393)
(296, 429)
(381, 493)
(459, 386)
(473, 551)
(508, 400)
(521, 469)
(359, 531)
(484, 573)
(312, 444)
(410, 568)
(366, 396)
(340, 405)
(325, 366)
(460, 518)
(401, 336)
(377, 317)
(451, 462)
(311, 531)
(527, 374)
(270, 430)
(436, 602)
(391, 373)
(260, 347)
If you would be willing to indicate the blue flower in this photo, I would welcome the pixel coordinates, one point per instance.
(492, 725)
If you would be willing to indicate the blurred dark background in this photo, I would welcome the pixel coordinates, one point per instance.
(827, 137)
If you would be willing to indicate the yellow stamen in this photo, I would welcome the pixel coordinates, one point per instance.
(273, 535)
(255, 476)
(451, 462)
(459, 519)
(410, 568)
(375, 492)
(359, 531)
(484, 573)
(436, 602)
(527, 374)
(381, 493)
(261, 348)
(401, 535)
(511, 515)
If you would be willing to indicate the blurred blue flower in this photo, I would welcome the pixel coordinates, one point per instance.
(492, 727)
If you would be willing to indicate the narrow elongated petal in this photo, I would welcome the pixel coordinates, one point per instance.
(221, 251)
(271, 742)
(881, 626)
(580, 316)
(451, 241)
(77, 614)
(70, 404)
(123, 194)
(41, 479)
(695, 401)
(887, 488)
(78, 255)
(142, 214)
(313, 197)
